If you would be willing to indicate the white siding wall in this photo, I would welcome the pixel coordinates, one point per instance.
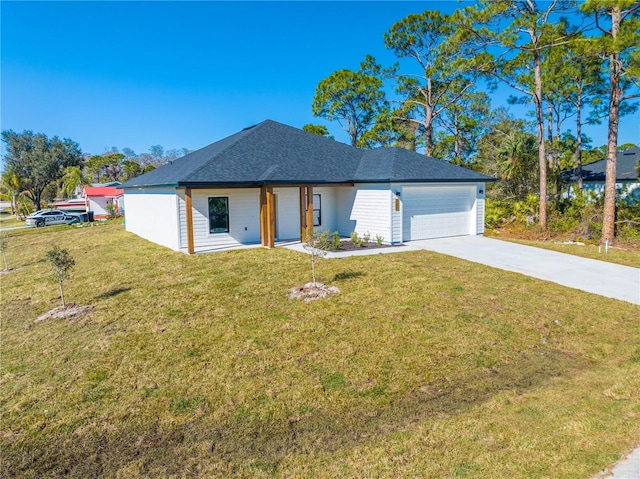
(182, 219)
(244, 218)
(152, 213)
(479, 209)
(328, 208)
(287, 213)
(345, 197)
(396, 216)
(371, 211)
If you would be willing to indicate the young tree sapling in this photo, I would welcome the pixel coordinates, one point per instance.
(317, 246)
(61, 264)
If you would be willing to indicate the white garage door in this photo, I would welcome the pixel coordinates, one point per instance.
(437, 211)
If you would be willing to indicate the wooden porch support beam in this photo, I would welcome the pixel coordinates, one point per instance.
(303, 215)
(310, 212)
(271, 218)
(263, 215)
(189, 209)
(267, 217)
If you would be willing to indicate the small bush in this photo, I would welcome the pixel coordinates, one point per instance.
(580, 215)
(629, 233)
(628, 220)
(379, 240)
(526, 211)
(366, 238)
(355, 239)
(335, 240)
(112, 210)
(497, 213)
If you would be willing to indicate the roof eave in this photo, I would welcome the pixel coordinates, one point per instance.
(147, 185)
(309, 182)
(256, 184)
(435, 180)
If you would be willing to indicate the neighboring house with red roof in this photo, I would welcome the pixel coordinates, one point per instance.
(99, 198)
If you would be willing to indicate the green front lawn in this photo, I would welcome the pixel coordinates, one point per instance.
(199, 366)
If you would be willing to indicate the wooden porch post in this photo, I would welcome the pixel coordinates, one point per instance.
(271, 218)
(303, 215)
(263, 215)
(267, 217)
(310, 212)
(189, 210)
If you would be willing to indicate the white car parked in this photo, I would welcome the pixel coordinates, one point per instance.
(50, 217)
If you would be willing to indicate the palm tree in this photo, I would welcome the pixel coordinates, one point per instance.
(71, 180)
(517, 164)
(11, 188)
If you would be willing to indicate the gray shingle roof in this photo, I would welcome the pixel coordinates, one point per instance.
(625, 168)
(398, 164)
(273, 153)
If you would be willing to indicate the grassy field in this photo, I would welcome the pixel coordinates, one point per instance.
(7, 221)
(199, 366)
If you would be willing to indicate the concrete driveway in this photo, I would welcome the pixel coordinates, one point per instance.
(598, 277)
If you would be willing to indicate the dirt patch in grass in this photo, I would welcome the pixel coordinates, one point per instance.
(8, 271)
(312, 291)
(71, 311)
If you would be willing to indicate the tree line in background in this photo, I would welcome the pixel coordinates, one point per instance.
(39, 169)
(569, 63)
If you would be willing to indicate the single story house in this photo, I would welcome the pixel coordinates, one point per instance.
(98, 199)
(269, 182)
(594, 174)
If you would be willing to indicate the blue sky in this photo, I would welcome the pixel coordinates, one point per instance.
(186, 74)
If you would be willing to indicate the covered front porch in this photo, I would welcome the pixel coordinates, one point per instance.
(268, 214)
(265, 216)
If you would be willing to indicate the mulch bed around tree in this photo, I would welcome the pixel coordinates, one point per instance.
(312, 291)
(348, 245)
(71, 311)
